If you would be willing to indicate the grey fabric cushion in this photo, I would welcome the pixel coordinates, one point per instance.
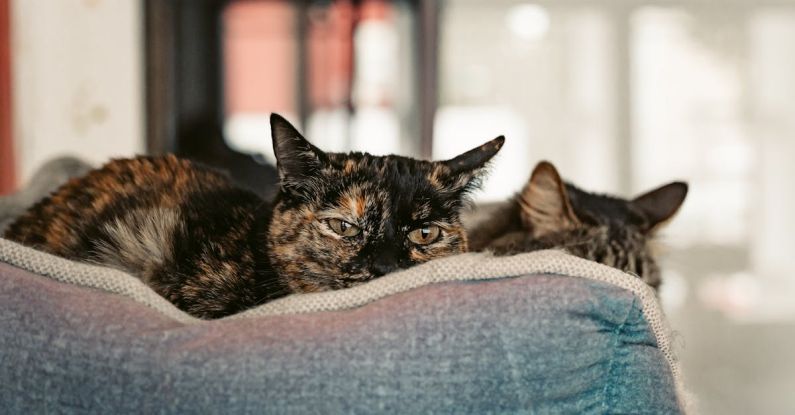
(458, 335)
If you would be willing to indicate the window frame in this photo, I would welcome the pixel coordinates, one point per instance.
(183, 49)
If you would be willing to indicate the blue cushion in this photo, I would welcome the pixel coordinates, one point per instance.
(528, 344)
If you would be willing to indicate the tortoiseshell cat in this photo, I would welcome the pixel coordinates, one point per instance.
(551, 214)
(214, 249)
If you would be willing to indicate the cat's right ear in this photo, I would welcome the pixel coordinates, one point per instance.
(464, 172)
(544, 202)
(661, 204)
(297, 160)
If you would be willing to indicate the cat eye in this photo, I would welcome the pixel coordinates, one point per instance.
(343, 228)
(425, 235)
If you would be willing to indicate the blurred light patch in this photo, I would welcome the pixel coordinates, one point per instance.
(333, 125)
(737, 296)
(376, 130)
(673, 291)
(528, 21)
(458, 129)
(376, 54)
(251, 133)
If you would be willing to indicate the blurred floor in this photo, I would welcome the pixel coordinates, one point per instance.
(733, 366)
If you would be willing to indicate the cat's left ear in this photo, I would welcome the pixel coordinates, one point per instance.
(297, 160)
(465, 168)
(660, 204)
(544, 203)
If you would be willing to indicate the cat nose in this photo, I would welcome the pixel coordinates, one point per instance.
(380, 268)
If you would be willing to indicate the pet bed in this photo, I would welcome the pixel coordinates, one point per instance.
(542, 332)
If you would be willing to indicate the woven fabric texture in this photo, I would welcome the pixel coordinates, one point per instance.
(634, 318)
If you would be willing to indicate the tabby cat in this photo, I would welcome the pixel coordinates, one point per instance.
(551, 214)
(214, 249)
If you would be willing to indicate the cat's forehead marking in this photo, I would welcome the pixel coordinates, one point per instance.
(359, 203)
(421, 212)
(354, 201)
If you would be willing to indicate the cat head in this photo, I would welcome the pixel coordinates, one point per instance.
(608, 229)
(343, 219)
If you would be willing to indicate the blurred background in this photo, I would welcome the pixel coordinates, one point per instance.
(621, 95)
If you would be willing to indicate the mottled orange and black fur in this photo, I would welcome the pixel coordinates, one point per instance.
(551, 214)
(214, 249)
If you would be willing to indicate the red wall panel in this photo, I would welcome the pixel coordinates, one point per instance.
(7, 180)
